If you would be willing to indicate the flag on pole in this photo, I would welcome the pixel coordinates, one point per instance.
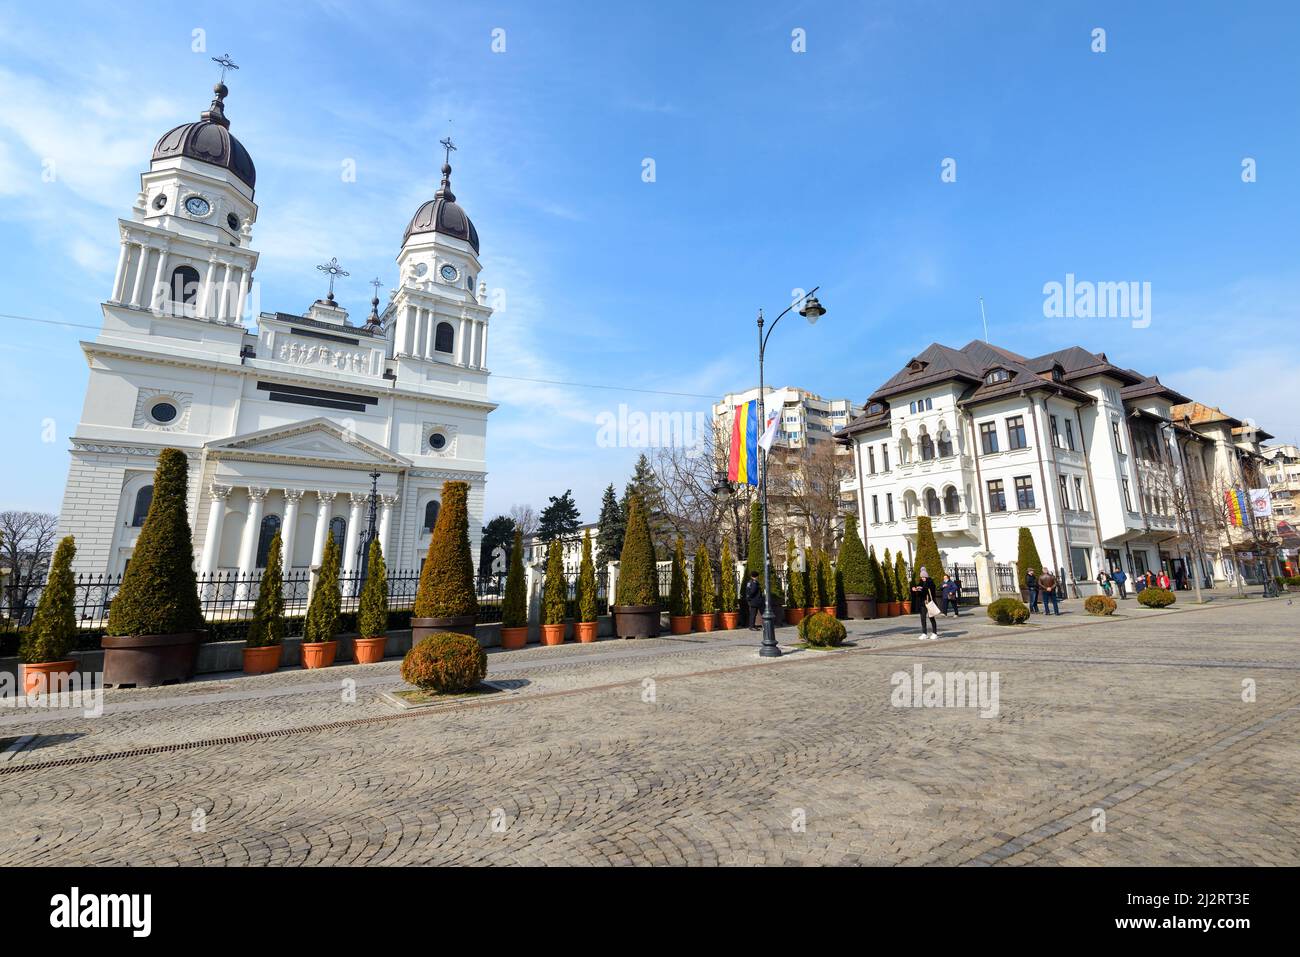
(769, 433)
(1261, 503)
(743, 464)
(1238, 507)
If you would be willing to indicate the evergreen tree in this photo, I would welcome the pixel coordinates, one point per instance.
(372, 616)
(267, 626)
(610, 529)
(159, 593)
(638, 575)
(1027, 554)
(679, 601)
(514, 604)
(586, 581)
(555, 590)
(54, 628)
(927, 551)
(496, 534)
(887, 577)
(447, 579)
(727, 596)
(703, 600)
(754, 560)
(326, 602)
(645, 485)
(875, 576)
(902, 582)
(798, 579)
(560, 519)
(853, 564)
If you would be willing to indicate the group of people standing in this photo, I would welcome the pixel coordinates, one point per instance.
(1042, 585)
(1117, 581)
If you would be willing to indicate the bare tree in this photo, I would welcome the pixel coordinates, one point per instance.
(525, 519)
(687, 479)
(26, 543)
(803, 493)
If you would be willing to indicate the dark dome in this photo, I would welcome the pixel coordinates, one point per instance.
(442, 215)
(208, 140)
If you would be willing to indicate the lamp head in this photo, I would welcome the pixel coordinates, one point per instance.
(812, 310)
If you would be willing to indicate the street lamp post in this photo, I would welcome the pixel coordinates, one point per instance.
(811, 310)
(363, 545)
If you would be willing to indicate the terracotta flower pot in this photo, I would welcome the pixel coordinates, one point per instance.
(730, 620)
(830, 610)
(366, 651)
(587, 631)
(422, 628)
(318, 654)
(679, 624)
(37, 675)
(793, 616)
(514, 638)
(705, 622)
(146, 661)
(907, 607)
(260, 661)
(553, 634)
(636, 621)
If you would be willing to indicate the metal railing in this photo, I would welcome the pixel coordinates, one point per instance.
(1005, 579)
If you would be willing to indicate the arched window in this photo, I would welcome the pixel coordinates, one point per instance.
(931, 502)
(185, 285)
(945, 442)
(909, 503)
(143, 499)
(951, 500)
(927, 447)
(904, 448)
(339, 529)
(270, 528)
(443, 338)
(431, 515)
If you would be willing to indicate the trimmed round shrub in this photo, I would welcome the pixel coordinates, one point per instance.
(822, 630)
(445, 664)
(1100, 605)
(1156, 597)
(1009, 611)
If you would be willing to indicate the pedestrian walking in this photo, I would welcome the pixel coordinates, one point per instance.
(923, 600)
(1031, 585)
(1103, 581)
(1163, 581)
(753, 595)
(956, 584)
(950, 592)
(1047, 587)
(1120, 579)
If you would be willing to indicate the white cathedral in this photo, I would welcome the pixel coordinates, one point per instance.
(284, 426)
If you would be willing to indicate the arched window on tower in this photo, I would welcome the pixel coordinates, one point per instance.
(143, 499)
(444, 338)
(270, 527)
(951, 500)
(931, 502)
(945, 442)
(927, 445)
(431, 515)
(185, 285)
(339, 529)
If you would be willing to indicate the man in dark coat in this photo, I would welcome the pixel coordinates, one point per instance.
(753, 595)
(1031, 585)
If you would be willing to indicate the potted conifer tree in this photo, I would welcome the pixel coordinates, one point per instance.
(828, 585)
(902, 585)
(703, 600)
(265, 640)
(514, 605)
(319, 644)
(636, 608)
(727, 592)
(887, 585)
(798, 586)
(587, 624)
(155, 623)
(927, 552)
(681, 604)
(372, 614)
(44, 648)
(855, 568)
(555, 592)
(445, 602)
(1026, 558)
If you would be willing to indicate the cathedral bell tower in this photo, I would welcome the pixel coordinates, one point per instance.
(439, 319)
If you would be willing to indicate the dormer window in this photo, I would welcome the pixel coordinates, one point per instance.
(875, 408)
(1056, 374)
(997, 375)
(915, 366)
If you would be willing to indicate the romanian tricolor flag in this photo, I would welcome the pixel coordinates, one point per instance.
(1238, 507)
(743, 464)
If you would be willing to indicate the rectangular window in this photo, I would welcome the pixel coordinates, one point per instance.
(871, 460)
(1069, 434)
(1079, 501)
(1016, 432)
(1024, 492)
(1128, 499)
(997, 496)
(1114, 434)
(1056, 434)
(889, 505)
(929, 404)
(884, 457)
(989, 437)
(1065, 491)
(911, 407)
(875, 509)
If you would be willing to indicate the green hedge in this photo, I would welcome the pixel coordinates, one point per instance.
(1009, 611)
(1156, 597)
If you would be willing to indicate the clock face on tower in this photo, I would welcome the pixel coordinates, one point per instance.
(197, 206)
(449, 272)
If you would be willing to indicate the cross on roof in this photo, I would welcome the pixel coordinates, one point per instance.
(376, 282)
(449, 146)
(332, 268)
(226, 64)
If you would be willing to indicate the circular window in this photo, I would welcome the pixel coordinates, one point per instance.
(233, 222)
(160, 201)
(437, 441)
(163, 412)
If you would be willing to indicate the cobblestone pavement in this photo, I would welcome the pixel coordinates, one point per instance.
(692, 750)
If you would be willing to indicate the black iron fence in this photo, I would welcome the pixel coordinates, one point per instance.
(970, 583)
(1004, 577)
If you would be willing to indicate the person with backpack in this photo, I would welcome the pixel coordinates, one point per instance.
(1047, 588)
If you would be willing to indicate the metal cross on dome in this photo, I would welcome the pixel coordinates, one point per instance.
(226, 64)
(376, 282)
(450, 147)
(332, 269)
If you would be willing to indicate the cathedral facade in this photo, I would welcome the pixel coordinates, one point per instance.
(287, 427)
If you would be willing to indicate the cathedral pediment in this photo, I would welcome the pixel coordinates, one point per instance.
(318, 440)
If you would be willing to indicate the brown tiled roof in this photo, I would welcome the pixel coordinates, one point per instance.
(1150, 385)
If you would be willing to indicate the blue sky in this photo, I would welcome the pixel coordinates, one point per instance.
(774, 170)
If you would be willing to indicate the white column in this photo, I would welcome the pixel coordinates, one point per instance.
(359, 499)
(324, 502)
(243, 293)
(429, 324)
(224, 305)
(159, 297)
(482, 348)
(385, 522)
(212, 537)
(248, 543)
(290, 527)
(119, 278)
(204, 310)
(141, 264)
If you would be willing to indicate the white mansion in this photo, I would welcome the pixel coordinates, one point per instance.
(1107, 467)
(283, 426)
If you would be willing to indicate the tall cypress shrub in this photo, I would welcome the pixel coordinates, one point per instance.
(514, 604)
(322, 622)
(927, 551)
(586, 581)
(798, 580)
(902, 584)
(447, 579)
(159, 593)
(555, 591)
(267, 625)
(853, 563)
(54, 628)
(638, 576)
(679, 601)
(873, 572)
(372, 616)
(702, 597)
(1027, 554)
(887, 578)
(727, 593)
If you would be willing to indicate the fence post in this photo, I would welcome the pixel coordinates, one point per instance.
(611, 583)
(985, 577)
(533, 585)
